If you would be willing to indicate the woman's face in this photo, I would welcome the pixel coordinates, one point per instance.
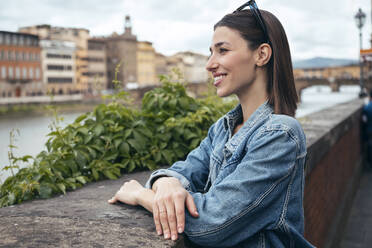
(231, 62)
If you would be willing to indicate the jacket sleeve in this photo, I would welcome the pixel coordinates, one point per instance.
(193, 172)
(251, 197)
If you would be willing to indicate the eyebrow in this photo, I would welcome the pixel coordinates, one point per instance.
(218, 44)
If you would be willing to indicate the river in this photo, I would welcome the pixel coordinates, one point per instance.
(33, 129)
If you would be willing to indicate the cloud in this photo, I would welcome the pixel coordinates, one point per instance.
(314, 28)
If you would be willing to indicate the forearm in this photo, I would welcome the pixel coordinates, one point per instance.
(146, 199)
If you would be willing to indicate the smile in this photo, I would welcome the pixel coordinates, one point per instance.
(218, 79)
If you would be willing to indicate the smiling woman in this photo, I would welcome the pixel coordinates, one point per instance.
(243, 186)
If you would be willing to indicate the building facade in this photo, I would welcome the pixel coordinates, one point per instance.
(58, 64)
(20, 67)
(121, 53)
(97, 70)
(146, 65)
(160, 64)
(79, 36)
(191, 65)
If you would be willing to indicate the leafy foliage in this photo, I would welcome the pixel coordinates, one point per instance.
(115, 139)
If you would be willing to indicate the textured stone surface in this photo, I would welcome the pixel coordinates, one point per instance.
(81, 218)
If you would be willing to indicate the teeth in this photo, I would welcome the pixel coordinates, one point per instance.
(219, 77)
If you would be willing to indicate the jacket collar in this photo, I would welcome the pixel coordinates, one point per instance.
(236, 115)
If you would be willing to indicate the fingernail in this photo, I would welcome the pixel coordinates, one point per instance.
(174, 237)
(180, 230)
(166, 236)
(159, 233)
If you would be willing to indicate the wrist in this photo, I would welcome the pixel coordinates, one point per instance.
(157, 181)
(145, 198)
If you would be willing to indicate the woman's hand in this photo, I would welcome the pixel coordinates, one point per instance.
(169, 206)
(129, 193)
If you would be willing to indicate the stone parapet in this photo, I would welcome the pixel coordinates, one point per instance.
(83, 218)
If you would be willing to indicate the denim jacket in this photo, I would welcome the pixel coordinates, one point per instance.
(248, 186)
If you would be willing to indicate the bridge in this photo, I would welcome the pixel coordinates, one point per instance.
(333, 83)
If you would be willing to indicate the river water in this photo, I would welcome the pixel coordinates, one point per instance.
(33, 129)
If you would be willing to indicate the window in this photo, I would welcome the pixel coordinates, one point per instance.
(21, 38)
(59, 80)
(1, 38)
(2, 55)
(3, 72)
(31, 72)
(10, 72)
(16, 55)
(7, 39)
(10, 55)
(55, 67)
(24, 73)
(37, 73)
(31, 57)
(23, 56)
(18, 72)
(26, 56)
(14, 40)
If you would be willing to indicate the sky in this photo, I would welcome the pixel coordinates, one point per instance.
(314, 28)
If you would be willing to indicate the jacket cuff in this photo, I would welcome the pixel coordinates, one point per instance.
(167, 173)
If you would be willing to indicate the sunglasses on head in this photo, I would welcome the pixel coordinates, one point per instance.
(253, 6)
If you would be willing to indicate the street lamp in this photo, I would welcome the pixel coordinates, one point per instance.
(360, 19)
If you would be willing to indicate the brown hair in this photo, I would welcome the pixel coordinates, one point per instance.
(281, 87)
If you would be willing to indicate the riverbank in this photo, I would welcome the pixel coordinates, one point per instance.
(43, 109)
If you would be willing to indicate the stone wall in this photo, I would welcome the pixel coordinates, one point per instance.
(83, 218)
(333, 169)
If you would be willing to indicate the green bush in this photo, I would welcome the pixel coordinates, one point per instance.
(115, 139)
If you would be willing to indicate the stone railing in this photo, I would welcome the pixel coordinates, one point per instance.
(83, 218)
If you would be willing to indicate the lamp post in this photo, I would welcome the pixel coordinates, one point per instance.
(360, 19)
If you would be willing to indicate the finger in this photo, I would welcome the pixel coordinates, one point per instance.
(164, 221)
(155, 213)
(179, 205)
(171, 219)
(190, 204)
(113, 200)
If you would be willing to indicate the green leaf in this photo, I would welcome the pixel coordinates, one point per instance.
(83, 130)
(127, 133)
(135, 144)
(111, 156)
(45, 191)
(167, 155)
(81, 179)
(184, 103)
(62, 187)
(98, 129)
(109, 174)
(117, 142)
(95, 174)
(88, 138)
(124, 148)
(194, 143)
(132, 166)
(80, 118)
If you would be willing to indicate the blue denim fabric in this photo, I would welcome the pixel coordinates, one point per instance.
(248, 187)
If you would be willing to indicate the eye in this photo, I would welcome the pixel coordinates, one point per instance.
(223, 50)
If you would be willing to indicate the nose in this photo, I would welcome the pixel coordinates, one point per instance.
(211, 64)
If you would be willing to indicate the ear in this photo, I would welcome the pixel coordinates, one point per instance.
(263, 54)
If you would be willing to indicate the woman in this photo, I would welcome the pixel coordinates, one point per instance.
(243, 186)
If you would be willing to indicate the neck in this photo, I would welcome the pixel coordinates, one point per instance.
(255, 96)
